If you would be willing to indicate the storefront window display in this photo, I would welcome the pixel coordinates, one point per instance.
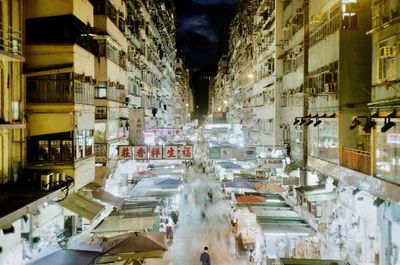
(388, 153)
(323, 140)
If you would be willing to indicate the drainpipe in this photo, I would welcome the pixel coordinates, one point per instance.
(303, 172)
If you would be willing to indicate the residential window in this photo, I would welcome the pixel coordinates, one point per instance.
(387, 62)
(55, 150)
(323, 140)
(350, 9)
(84, 143)
(67, 150)
(43, 150)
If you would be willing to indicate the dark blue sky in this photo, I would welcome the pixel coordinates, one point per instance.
(199, 23)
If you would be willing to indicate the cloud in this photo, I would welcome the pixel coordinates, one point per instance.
(201, 25)
(201, 21)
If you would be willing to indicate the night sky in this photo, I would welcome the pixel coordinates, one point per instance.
(199, 23)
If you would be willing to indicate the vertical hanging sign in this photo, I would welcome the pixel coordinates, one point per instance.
(136, 125)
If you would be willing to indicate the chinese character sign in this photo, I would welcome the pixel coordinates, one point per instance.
(187, 152)
(171, 152)
(140, 152)
(124, 152)
(136, 126)
(155, 152)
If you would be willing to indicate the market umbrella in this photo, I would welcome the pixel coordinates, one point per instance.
(135, 242)
(250, 199)
(239, 183)
(67, 257)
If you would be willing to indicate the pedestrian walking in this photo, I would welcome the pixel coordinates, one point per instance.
(205, 257)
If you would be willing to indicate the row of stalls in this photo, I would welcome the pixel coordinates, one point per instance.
(108, 229)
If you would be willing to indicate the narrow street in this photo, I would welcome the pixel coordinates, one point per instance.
(193, 231)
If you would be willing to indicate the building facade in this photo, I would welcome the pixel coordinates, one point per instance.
(66, 97)
(325, 73)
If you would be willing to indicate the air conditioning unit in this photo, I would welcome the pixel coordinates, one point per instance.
(330, 87)
(120, 86)
(110, 84)
(83, 78)
(312, 90)
(88, 79)
(46, 181)
(59, 177)
(387, 51)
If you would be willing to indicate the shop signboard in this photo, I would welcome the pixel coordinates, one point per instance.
(124, 152)
(291, 181)
(140, 152)
(250, 153)
(171, 152)
(226, 153)
(155, 152)
(136, 125)
(186, 152)
(100, 150)
(219, 130)
(214, 153)
(260, 174)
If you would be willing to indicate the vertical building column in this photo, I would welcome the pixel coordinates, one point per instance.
(303, 172)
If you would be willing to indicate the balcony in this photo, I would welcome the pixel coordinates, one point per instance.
(43, 90)
(11, 44)
(110, 93)
(357, 160)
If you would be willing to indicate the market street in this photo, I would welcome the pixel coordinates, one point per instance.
(193, 232)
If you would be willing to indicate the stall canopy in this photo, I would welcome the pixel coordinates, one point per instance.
(144, 174)
(82, 206)
(169, 182)
(136, 242)
(250, 199)
(122, 223)
(156, 262)
(268, 187)
(287, 261)
(229, 165)
(239, 183)
(104, 196)
(67, 257)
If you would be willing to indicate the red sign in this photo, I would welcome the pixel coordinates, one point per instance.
(155, 152)
(124, 152)
(171, 152)
(140, 152)
(187, 152)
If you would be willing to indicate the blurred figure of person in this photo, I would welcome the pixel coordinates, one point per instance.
(205, 257)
